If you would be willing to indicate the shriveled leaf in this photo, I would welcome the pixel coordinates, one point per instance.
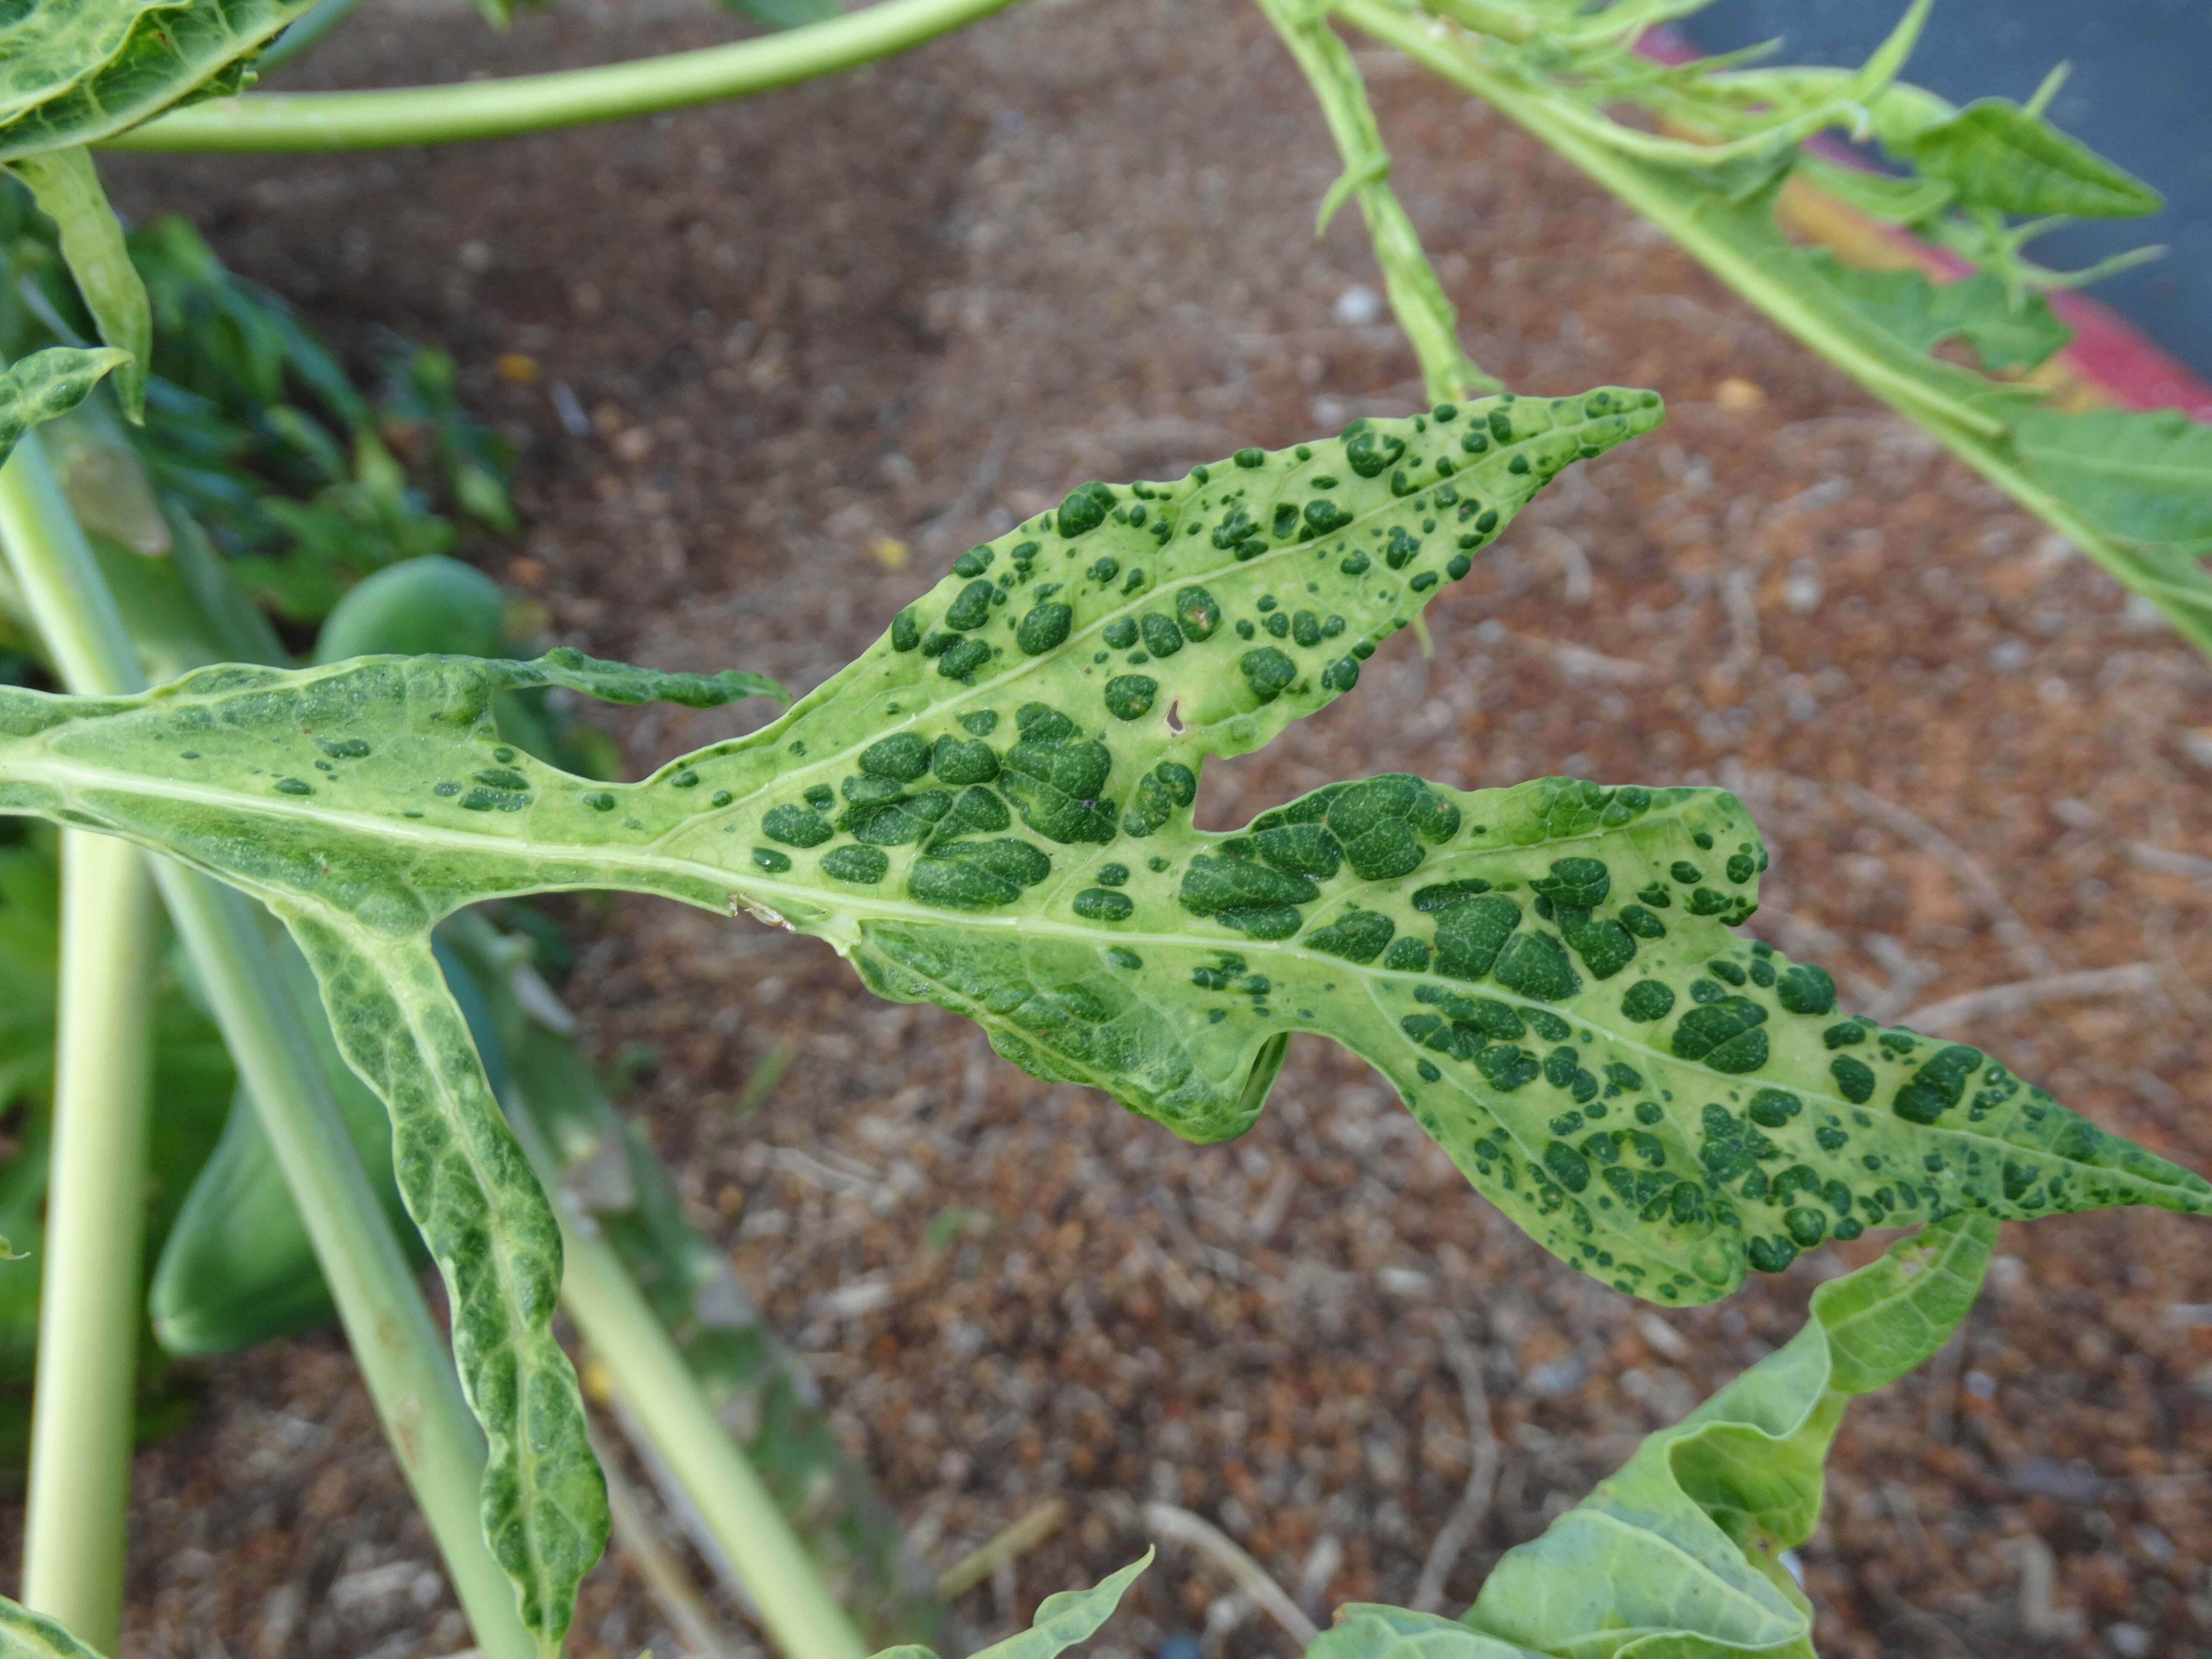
(46, 384)
(1975, 309)
(1679, 1552)
(80, 85)
(28, 1635)
(1996, 155)
(2146, 476)
(991, 809)
(67, 188)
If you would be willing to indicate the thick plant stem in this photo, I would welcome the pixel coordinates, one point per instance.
(89, 1305)
(1430, 320)
(403, 1360)
(536, 103)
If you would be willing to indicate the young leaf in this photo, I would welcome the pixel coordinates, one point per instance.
(46, 384)
(1062, 1619)
(1975, 308)
(75, 83)
(1997, 156)
(1679, 1550)
(2143, 476)
(67, 188)
(28, 1635)
(991, 809)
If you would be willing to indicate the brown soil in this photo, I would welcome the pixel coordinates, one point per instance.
(1077, 243)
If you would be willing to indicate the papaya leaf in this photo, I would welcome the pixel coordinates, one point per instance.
(1369, 1630)
(1063, 1618)
(1884, 196)
(48, 48)
(1997, 156)
(991, 809)
(66, 187)
(46, 384)
(1974, 166)
(76, 83)
(463, 1179)
(1975, 309)
(28, 1635)
(2145, 475)
(1679, 1551)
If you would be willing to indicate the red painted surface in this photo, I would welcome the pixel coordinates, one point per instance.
(2107, 351)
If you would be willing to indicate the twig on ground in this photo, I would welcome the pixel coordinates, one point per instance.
(2174, 863)
(2026, 949)
(1957, 1011)
(1011, 1543)
(1196, 1533)
(1452, 1538)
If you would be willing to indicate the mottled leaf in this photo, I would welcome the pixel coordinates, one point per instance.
(991, 809)
(2143, 476)
(67, 188)
(1975, 308)
(46, 384)
(28, 1635)
(363, 926)
(1678, 1554)
(77, 82)
(49, 47)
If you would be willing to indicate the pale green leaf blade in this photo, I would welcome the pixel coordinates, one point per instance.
(1063, 1618)
(1068, 1617)
(1369, 1630)
(46, 384)
(1996, 155)
(168, 55)
(28, 1635)
(2143, 476)
(1889, 1317)
(1898, 201)
(1921, 313)
(470, 1189)
(1678, 1554)
(66, 187)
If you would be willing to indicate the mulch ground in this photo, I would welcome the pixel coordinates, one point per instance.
(913, 304)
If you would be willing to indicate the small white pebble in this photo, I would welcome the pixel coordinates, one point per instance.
(1358, 306)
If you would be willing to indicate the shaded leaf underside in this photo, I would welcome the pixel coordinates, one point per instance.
(77, 71)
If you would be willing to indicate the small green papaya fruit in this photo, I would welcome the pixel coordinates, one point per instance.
(430, 606)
